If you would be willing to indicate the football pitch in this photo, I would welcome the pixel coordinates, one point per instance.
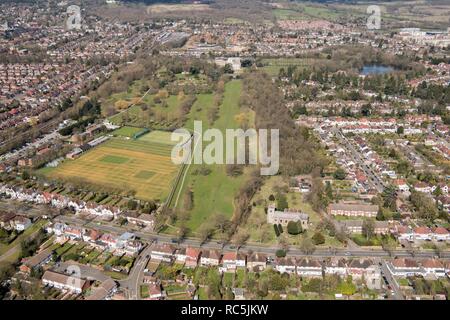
(143, 165)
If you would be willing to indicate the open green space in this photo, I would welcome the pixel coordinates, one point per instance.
(213, 193)
(114, 159)
(127, 131)
(140, 166)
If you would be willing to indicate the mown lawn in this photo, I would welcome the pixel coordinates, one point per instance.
(127, 131)
(215, 192)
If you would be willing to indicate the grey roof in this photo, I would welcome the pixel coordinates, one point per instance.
(354, 207)
(38, 258)
(63, 279)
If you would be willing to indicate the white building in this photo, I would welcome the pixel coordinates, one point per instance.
(63, 282)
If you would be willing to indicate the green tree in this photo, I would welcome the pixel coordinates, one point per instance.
(347, 287)
(294, 227)
(339, 174)
(329, 191)
(389, 197)
(25, 175)
(368, 228)
(307, 246)
(280, 253)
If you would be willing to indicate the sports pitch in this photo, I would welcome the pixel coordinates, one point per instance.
(143, 165)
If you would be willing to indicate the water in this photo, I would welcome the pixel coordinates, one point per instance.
(375, 69)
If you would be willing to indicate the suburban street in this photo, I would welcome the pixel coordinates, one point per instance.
(132, 283)
(330, 252)
(374, 179)
(397, 294)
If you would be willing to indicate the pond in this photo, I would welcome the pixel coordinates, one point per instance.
(375, 69)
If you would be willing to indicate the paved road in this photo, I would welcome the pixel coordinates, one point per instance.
(135, 278)
(86, 272)
(397, 293)
(358, 158)
(326, 252)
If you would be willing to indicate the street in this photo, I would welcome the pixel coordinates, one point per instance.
(293, 251)
(397, 294)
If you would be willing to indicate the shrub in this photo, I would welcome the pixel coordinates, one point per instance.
(294, 227)
(277, 232)
(280, 228)
(280, 253)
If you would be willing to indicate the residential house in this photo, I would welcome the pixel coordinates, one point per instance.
(423, 233)
(405, 233)
(64, 282)
(210, 258)
(358, 267)
(441, 234)
(36, 261)
(422, 187)
(232, 260)
(192, 257)
(256, 262)
(91, 235)
(336, 266)
(180, 256)
(57, 228)
(6, 219)
(307, 267)
(241, 260)
(21, 223)
(401, 185)
(162, 252)
(143, 220)
(444, 201)
(155, 292)
(353, 210)
(433, 266)
(285, 265)
(106, 241)
(404, 267)
(74, 233)
(104, 292)
(356, 226)
(229, 261)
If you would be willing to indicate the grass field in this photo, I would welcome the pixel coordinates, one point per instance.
(273, 65)
(128, 132)
(143, 165)
(214, 193)
(158, 137)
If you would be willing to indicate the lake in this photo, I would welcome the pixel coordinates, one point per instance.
(375, 69)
